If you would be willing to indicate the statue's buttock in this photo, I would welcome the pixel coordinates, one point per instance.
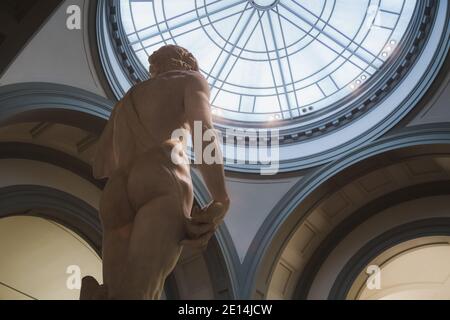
(151, 174)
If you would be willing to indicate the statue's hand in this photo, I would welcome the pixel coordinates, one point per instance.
(203, 223)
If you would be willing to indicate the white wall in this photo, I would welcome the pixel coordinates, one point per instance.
(438, 109)
(58, 55)
(251, 203)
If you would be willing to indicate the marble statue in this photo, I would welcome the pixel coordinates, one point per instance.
(146, 208)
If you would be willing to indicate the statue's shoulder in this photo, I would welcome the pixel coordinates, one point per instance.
(194, 76)
(184, 75)
(195, 79)
(179, 78)
(140, 86)
(192, 80)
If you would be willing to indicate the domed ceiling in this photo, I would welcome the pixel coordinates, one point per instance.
(326, 71)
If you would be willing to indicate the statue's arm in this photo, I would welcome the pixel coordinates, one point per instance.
(197, 108)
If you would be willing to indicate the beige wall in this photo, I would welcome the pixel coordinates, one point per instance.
(418, 269)
(35, 255)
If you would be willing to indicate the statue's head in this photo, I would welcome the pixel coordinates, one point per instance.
(171, 57)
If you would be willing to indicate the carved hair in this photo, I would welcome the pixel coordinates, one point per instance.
(172, 57)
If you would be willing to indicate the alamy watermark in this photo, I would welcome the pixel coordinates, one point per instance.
(240, 146)
(374, 280)
(73, 281)
(73, 21)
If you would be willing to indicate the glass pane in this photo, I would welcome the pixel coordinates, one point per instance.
(273, 59)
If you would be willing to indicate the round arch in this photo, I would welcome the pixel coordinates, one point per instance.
(48, 102)
(53, 103)
(302, 199)
(435, 227)
(53, 204)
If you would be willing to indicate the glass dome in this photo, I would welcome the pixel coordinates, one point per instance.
(273, 60)
(327, 75)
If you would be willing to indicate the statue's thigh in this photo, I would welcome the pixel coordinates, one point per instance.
(154, 247)
(158, 228)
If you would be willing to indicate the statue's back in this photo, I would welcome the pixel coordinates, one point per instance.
(160, 104)
(145, 118)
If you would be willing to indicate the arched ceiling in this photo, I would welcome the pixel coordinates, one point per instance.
(342, 198)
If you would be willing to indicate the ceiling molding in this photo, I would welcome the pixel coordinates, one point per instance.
(93, 45)
(49, 102)
(29, 151)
